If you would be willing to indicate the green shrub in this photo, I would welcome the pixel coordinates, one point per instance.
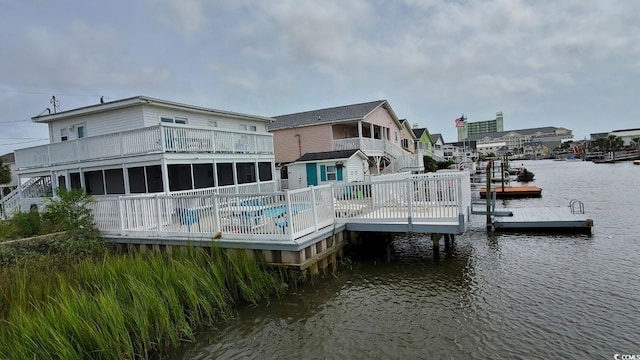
(25, 224)
(68, 212)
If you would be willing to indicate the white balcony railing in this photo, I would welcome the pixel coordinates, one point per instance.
(161, 138)
(367, 145)
(371, 147)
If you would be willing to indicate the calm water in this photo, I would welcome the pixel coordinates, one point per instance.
(495, 296)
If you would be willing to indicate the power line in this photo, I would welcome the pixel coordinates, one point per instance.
(13, 121)
(22, 138)
(23, 142)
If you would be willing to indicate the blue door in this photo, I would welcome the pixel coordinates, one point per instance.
(312, 175)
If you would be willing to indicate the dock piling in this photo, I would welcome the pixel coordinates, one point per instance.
(436, 245)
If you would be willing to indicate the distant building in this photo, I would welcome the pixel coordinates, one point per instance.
(515, 140)
(481, 127)
(627, 135)
(438, 142)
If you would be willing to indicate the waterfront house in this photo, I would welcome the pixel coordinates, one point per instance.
(143, 145)
(164, 173)
(437, 142)
(371, 127)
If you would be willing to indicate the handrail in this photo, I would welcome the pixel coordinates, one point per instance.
(576, 206)
(287, 215)
(152, 139)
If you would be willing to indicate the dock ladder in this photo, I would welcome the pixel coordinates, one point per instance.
(576, 206)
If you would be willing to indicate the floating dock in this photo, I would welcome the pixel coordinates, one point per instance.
(512, 192)
(543, 219)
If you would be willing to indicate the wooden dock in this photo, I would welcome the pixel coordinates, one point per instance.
(543, 219)
(512, 192)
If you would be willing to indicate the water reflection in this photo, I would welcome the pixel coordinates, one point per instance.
(494, 296)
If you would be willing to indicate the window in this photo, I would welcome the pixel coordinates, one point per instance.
(137, 182)
(225, 174)
(64, 135)
(246, 172)
(405, 143)
(173, 120)
(202, 176)
(179, 177)
(62, 182)
(75, 180)
(253, 128)
(264, 171)
(396, 133)
(331, 173)
(242, 127)
(213, 123)
(80, 131)
(114, 181)
(94, 182)
(154, 178)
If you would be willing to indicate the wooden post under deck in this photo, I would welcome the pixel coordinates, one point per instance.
(436, 245)
(448, 240)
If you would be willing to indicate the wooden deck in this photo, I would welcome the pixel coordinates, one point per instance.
(513, 192)
(426, 203)
(543, 219)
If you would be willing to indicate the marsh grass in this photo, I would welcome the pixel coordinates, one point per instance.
(131, 306)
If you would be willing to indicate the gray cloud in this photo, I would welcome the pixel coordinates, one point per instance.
(432, 59)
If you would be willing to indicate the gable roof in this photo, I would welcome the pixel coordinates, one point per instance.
(139, 100)
(419, 131)
(435, 137)
(328, 155)
(330, 115)
(9, 158)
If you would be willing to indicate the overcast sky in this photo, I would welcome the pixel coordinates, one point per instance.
(563, 63)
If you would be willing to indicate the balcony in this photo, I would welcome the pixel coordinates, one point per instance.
(148, 140)
(370, 147)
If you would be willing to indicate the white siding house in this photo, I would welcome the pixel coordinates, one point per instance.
(326, 167)
(147, 145)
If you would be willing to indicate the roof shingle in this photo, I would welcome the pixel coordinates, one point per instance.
(325, 116)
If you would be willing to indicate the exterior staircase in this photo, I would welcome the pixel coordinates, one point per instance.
(34, 188)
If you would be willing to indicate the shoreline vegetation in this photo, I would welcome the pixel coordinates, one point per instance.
(70, 296)
(102, 305)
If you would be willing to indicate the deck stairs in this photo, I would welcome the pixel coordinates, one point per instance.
(409, 162)
(33, 188)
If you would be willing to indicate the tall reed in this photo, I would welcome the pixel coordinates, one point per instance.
(126, 306)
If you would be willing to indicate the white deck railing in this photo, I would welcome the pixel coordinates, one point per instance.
(161, 138)
(273, 216)
(367, 145)
(287, 215)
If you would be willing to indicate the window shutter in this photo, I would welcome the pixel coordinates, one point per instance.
(323, 173)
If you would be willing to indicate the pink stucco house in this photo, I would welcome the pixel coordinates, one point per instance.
(371, 127)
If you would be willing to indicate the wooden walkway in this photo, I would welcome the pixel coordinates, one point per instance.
(543, 219)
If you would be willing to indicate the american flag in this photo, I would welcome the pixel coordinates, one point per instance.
(460, 121)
